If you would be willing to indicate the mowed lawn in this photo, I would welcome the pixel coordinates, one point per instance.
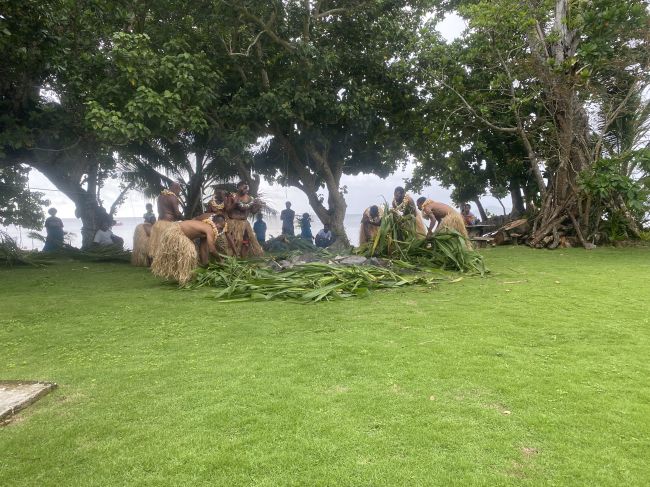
(536, 375)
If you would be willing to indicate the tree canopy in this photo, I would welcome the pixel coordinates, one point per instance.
(543, 100)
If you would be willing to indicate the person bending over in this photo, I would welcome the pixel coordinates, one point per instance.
(441, 217)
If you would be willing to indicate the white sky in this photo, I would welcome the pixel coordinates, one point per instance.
(363, 190)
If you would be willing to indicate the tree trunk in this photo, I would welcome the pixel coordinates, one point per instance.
(481, 210)
(91, 215)
(518, 207)
(560, 200)
(66, 169)
(193, 197)
(330, 172)
(333, 215)
(502, 206)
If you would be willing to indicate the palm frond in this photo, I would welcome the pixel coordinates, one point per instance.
(397, 239)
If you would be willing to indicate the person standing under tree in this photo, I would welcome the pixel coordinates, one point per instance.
(239, 230)
(287, 216)
(54, 230)
(168, 212)
(259, 227)
(149, 216)
(220, 203)
(305, 228)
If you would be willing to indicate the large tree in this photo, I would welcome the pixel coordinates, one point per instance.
(318, 79)
(50, 52)
(315, 80)
(555, 75)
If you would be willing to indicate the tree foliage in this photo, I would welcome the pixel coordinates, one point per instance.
(18, 205)
(551, 79)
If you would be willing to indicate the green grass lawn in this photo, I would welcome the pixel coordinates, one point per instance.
(537, 375)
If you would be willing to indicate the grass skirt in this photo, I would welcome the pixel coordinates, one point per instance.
(367, 233)
(420, 227)
(140, 252)
(455, 222)
(175, 257)
(236, 231)
(156, 235)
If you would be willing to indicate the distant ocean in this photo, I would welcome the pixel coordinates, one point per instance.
(126, 226)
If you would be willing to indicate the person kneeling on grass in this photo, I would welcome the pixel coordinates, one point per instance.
(105, 237)
(176, 257)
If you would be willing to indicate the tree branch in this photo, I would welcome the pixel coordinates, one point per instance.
(333, 11)
(509, 130)
(248, 49)
(609, 120)
(118, 201)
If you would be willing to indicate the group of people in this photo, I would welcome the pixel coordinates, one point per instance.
(104, 236)
(173, 247)
(440, 216)
(324, 238)
(169, 244)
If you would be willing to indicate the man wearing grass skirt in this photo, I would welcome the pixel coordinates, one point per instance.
(441, 217)
(403, 206)
(176, 256)
(168, 212)
(370, 223)
(239, 229)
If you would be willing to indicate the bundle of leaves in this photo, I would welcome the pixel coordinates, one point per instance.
(242, 281)
(397, 239)
(11, 254)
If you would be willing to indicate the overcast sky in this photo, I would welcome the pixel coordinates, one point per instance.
(363, 190)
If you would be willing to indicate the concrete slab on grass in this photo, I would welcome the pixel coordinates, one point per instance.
(18, 394)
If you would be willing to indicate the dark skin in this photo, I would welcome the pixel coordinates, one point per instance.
(221, 197)
(204, 216)
(168, 205)
(237, 213)
(372, 217)
(399, 197)
(435, 212)
(195, 229)
(242, 196)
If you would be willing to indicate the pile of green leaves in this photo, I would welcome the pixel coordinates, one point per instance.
(397, 240)
(242, 281)
(11, 254)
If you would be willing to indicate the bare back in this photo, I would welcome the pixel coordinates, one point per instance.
(194, 229)
(437, 209)
(168, 208)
